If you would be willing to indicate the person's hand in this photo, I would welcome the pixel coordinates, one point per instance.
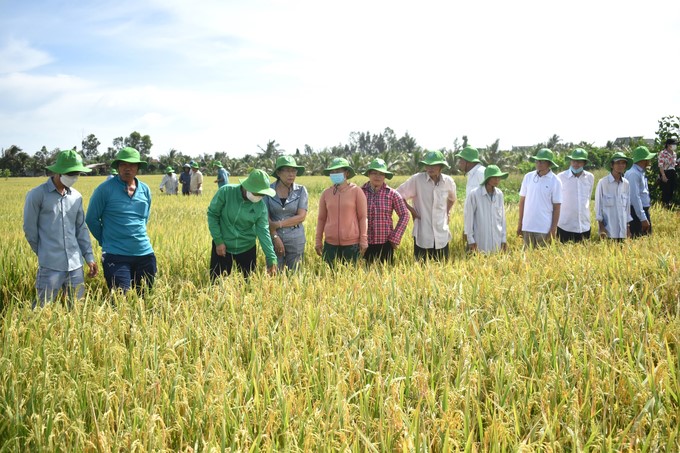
(362, 249)
(162, 190)
(645, 225)
(94, 269)
(414, 213)
(271, 270)
(519, 230)
(664, 178)
(472, 247)
(553, 233)
(319, 249)
(279, 247)
(221, 250)
(603, 233)
(394, 246)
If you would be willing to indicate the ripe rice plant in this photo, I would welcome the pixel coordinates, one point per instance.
(567, 348)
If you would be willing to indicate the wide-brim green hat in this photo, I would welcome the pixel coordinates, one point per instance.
(129, 155)
(194, 165)
(492, 171)
(642, 153)
(379, 165)
(169, 170)
(337, 163)
(469, 154)
(114, 172)
(578, 154)
(218, 164)
(257, 183)
(620, 156)
(68, 161)
(544, 154)
(287, 161)
(435, 158)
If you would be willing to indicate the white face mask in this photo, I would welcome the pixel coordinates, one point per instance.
(674, 147)
(254, 198)
(67, 180)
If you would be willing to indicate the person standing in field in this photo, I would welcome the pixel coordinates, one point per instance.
(196, 184)
(54, 226)
(471, 166)
(169, 183)
(237, 216)
(342, 226)
(540, 197)
(287, 213)
(112, 174)
(577, 187)
(185, 179)
(117, 216)
(222, 175)
(640, 201)
(382, 201)
(433, 194)
(612, 200)
(484, 214)
(667, 163)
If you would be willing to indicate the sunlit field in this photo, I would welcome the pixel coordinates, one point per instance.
(567, 348)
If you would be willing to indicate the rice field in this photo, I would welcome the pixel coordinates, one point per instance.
(567, 348)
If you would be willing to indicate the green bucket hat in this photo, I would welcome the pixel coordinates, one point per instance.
(114, 171)
(578, 154)
(68, 161)
(129, 155)
(493, 171)
(257, 183)
(194, 165)
(469, 154)
(544, 154)
(620, 156)
(169, 170)
(642, 153)
(379, 165)
(287, 161)
(435, 158)
(218, 164)
(339, 162)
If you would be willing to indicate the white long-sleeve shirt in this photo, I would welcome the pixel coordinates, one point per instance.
(169, 183)
(575, 209)
(475, 177)
(612, 206)
(484, 217)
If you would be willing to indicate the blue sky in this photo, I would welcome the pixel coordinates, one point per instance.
(207, 76)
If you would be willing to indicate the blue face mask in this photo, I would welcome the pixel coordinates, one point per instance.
(576, 171)
(337, 178)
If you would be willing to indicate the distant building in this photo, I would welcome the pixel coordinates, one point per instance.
(623, 142)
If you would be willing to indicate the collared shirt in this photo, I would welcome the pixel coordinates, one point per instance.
(575, 209)
(541, 193)
(475, 177)
(484, 217)
(185, 180)
(639, 191)
(612, 206)
(169, 183)
(237, 222)
(196, 180)
(54, 226)
(117, 220)
(430, 200)
(381, 204)
(667, 160)
(282, 210)
(222, 177)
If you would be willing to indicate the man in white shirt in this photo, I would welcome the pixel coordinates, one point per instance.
(196, 185)
(169, 183)
(612, 200)
(539, 201)
(577, 187)
(470, 165)
(484, 212)
(433, 195)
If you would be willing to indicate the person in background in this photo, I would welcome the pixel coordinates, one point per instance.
(185, 179)
(237, 216)
(484, 214)
(54, 226)
(196, 184)
(471, 166)
(667, 164)
(577, 187)
(342, 227)
(382, 201)
(640, 201)
(287, 213)
(169, 183)
(433, 194)
(222, 175)
(112, 174)
(612, 200)
(117, 216)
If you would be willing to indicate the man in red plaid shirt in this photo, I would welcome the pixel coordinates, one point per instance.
(382, 200)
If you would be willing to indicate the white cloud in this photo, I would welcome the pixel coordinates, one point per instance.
(17, 55)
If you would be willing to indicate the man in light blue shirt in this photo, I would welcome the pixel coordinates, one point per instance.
(640, 200)
(54, 226)
(222, 175)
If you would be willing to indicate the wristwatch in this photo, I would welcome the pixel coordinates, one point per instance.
(275, 236)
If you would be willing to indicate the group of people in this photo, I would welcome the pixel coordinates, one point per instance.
(353, 221)
(191, 179)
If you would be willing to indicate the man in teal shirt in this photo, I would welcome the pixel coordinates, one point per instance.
(236, 217)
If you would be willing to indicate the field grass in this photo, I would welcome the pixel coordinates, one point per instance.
(567, 348)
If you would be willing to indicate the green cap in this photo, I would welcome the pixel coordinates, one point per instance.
(287, 161)
(435, 158)
(68, 161)
(258, 183)
(194, 165)
(578, 154)
(493, 171)
(642, 153)
(469, 154)
(620, 156)
(379, 165)
(114, 171)
(544, 154)
(169, 170)
(339, 162)
(129, 155)
(218, 164)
